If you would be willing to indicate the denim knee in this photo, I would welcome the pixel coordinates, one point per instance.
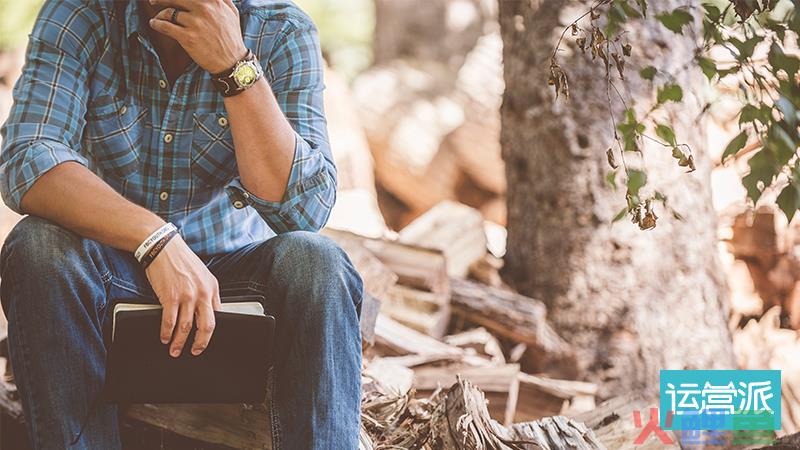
(316, 265)
(40, 251)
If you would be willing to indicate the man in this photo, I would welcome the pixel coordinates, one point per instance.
(132, 115)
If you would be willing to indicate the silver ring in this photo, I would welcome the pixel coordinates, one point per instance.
(174, 18)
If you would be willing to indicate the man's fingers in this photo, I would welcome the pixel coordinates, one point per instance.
(167, 28)
(205, 328)
(184, 326)
(186, 5)
(166, 15)
(169, 317)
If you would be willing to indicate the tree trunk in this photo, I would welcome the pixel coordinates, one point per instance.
(631, 302)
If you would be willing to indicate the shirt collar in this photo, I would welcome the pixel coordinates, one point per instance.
(133, 20)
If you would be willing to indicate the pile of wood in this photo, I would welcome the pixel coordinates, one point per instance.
(434, 133)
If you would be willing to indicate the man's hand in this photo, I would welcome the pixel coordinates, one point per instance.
(188, 292)
(208, 30)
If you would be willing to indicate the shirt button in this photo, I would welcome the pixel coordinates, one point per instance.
(162, 83)
(163, 196)
(123, 110)
(168, 138)
(238, 204)
(223, 122)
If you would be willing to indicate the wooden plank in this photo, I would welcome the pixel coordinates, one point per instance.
(393, 338)
(237, 426)
(455, 229)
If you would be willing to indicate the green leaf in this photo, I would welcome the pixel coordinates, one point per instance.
(708, 67)
(648, 73)
(675, 20)
(620, 215)
(780, 143)
(735, 145)
(751, 113)
(712, 12)
(781, 61)
(636, 180)
(666, 133)
(630, 11)
(762, 170)
(745, 48)
(630, 129)
(789, 200)
(670, 92)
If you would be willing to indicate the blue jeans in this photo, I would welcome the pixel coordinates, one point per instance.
(55, 288)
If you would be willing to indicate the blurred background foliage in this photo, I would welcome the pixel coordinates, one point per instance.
(346, 29)
(16, 20)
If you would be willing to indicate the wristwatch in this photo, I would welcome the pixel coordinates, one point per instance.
(241, 76)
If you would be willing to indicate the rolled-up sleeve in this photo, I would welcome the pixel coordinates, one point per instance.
(46, 121)
(295, 70)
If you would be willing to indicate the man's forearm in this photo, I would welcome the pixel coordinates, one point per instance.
(75, 198)
(264, 141)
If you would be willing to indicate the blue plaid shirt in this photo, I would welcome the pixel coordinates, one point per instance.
(93, 91)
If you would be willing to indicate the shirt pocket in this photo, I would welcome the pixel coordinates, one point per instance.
(114, 130)
(213, 156)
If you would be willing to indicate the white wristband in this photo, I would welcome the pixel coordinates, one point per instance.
(152, 239)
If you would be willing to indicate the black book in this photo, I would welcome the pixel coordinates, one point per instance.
(232, 369)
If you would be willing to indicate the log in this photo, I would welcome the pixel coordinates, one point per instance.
(516, 318)
(453, 228)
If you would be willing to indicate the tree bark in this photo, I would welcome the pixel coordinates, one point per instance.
(631, 302)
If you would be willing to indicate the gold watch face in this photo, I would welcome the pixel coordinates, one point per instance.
(245, 75)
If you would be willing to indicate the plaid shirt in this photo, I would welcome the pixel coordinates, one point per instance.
(93, 91)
